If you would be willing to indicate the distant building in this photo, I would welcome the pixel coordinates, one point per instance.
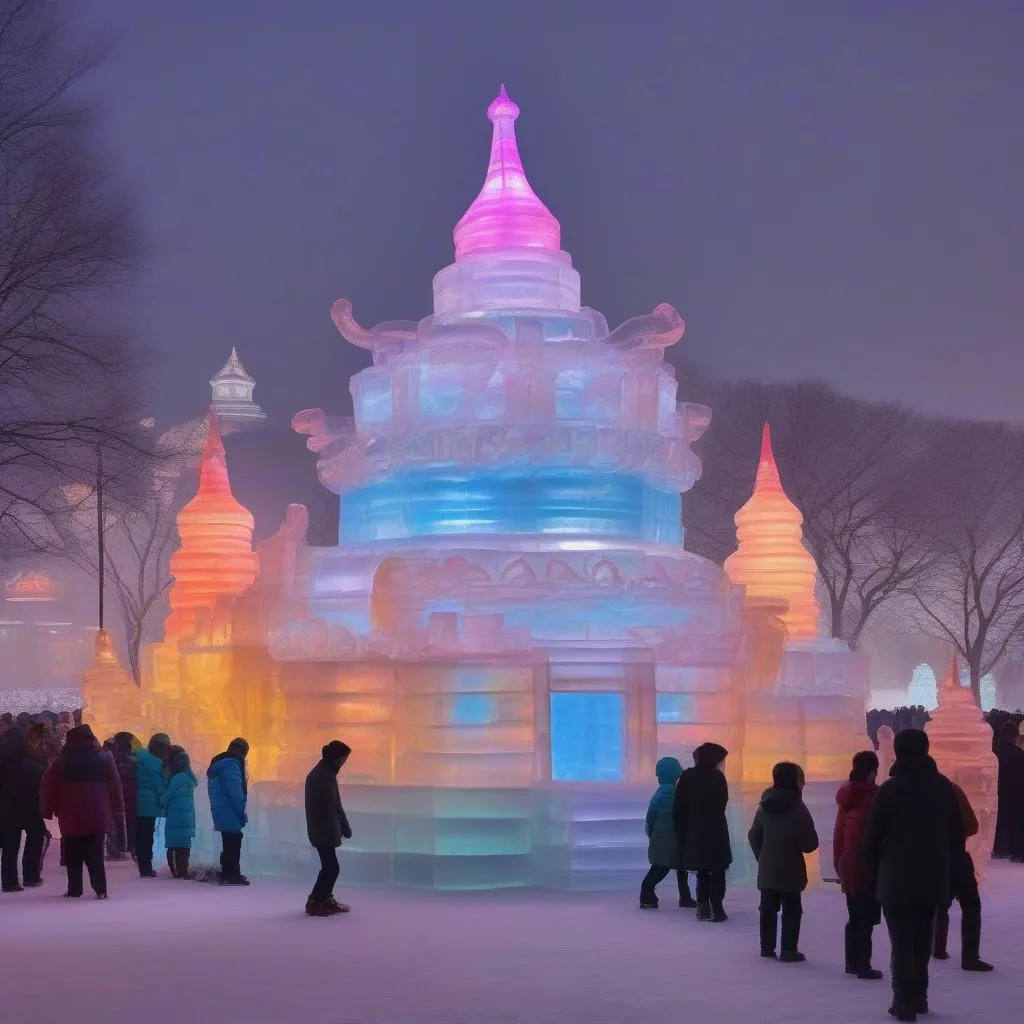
(232, 399)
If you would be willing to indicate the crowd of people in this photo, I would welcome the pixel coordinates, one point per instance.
(899, 851)
(108, 798)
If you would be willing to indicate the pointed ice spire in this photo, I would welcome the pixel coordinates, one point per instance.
(507, 214)
(233, 369)
(767, 478)
(213, 469)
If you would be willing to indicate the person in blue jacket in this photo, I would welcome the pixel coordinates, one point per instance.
(226, 784)
(179, 805)
(151, 781)
(663, 847)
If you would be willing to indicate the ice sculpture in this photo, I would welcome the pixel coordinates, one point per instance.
(814, 710)
(231, 390)
(961, 743)
(923, 688)
(509, 632)
(771, 560)
(111, 698)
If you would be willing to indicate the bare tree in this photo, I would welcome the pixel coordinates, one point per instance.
(68, 243)
(975, 600)
(844, 463)
(139, 536)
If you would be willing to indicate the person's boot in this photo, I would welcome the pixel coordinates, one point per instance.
(335, 907)
(789, 953)
(718, 914)
(941, 940)
(182, 862)
(686, 901)
(703, 910)
(970, 943)
(769, 933)
(317, 908)
(648, 899)
(172, 864)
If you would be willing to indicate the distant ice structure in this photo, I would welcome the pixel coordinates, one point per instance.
(923, 688)
(509, 632)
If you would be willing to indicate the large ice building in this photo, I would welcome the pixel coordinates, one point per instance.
(509, 631)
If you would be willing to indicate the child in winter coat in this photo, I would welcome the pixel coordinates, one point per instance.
(782, 832)
(663, 846)
(853, 801)
(178, 804)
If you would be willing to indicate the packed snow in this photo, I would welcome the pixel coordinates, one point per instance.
(163, 950)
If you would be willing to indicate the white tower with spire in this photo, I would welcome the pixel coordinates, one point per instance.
(231, 397)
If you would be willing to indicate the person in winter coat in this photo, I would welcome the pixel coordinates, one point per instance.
(21, 773)
(326, 826)
(227, 788)
(82, 788)
(964, 889)
(862, 910)
(178, 804)
(663, 845)
(150, 782)
(913, 836)
(1010, 794)
(702, 831)
(781, 833)
(127, 772)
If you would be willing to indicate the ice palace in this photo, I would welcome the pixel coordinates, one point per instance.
(510, 631)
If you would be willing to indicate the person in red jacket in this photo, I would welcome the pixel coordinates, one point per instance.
(83, 789)
(863, 911)
(965, 890)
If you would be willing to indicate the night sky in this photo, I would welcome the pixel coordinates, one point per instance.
(822, 188)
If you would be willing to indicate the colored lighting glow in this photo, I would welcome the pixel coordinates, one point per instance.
(961, 743)
(770, 559)
(507, 214)
(586, 737)
(215, 558)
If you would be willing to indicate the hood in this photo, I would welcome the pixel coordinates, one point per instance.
(779, 801)
(81, 738)
(180, 762)
(219, 763)
(158, 744)
(852, 795)
(668, 770)
(907, 766)
(710, 755)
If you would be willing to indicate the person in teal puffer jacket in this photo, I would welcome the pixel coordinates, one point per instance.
(663, 846)
(225, 782)
(151, 781)
(179, 805)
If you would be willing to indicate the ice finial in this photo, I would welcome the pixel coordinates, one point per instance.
(767, 478)
(213, 469)
(507, 214)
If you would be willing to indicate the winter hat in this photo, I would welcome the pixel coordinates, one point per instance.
(910, 745)
(786, 775)
(667, 770)
(335, 751)
(710, 755)
(81, 737)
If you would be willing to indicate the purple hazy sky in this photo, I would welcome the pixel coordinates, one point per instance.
(822, 188)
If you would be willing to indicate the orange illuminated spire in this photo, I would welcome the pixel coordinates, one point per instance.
(215, 558)
(770, 559)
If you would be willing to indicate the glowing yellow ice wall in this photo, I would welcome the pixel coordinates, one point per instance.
(961, 743)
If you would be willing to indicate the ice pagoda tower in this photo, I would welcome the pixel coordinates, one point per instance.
(231, 390)
(514, 624)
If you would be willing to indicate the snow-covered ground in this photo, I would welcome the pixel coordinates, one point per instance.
(166, 951)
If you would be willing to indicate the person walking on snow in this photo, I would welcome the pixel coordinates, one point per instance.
(178, 804)
(326, 826)
(150, 783)
(913, 835)
(82, 788)
(964, 889)
(228, 792)
(702, 831)
(663, 846)
(781, 834)
(862, 910)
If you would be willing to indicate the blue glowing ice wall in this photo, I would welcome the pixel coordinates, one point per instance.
(510, 548)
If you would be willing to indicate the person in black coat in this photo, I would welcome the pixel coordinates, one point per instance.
(21, 772)
(1009, 841)
(913, 834)
(698, 813)
(326, 825)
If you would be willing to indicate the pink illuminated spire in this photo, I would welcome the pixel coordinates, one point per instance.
(507, 213)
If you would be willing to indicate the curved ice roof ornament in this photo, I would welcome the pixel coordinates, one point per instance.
(507, 214)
